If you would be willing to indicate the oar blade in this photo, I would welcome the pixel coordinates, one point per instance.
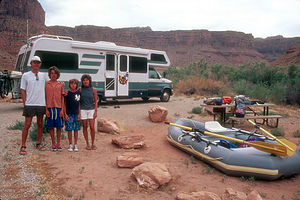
(275, 149)
(292, 147)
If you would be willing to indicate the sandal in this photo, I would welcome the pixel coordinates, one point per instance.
(23, 151)
(94, 147)
(88, 148)
(40, 147)
(54, 147)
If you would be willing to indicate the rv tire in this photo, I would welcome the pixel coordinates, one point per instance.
(145, 98)
(165, 96)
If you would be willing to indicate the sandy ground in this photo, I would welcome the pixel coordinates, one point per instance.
(94, 174)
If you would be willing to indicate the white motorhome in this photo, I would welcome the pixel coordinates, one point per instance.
(116, 71)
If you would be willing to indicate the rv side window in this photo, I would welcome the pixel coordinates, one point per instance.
(153, 73)
(158, 57)
(137, 64)
(110, 62)
(123, 63)
(19, 61)
(61, 60)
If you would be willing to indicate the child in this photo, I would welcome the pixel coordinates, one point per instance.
(54, 106)
(72, 115)
(88, 109)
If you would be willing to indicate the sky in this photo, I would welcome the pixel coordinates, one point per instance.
(261, 18)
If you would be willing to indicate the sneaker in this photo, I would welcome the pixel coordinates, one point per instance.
(58, 147)
(76, 147)
(70, 147)
(54, 147)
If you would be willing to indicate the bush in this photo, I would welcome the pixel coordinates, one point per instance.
(277, 132)
(197, 110)
(198, 86)
(297, 134)
(17, 126)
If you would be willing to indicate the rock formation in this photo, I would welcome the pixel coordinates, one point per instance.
(183, 46)
(274, 47)
(292, 56)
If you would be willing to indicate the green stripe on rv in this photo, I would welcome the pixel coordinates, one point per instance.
(93, 56)
(75, 71)
(138, 86)
(156, 62)
(90, 63)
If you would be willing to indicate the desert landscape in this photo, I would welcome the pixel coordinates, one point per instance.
(95, 174)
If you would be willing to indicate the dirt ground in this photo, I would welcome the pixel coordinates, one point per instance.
(95, 175)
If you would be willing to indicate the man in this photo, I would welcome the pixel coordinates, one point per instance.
(33, 97)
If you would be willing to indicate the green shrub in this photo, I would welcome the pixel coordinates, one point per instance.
(17, 126)
(297, 134)
(241, 87)
(197, 110)
(277, 132)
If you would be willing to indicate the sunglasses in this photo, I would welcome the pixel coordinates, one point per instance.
(36, 77)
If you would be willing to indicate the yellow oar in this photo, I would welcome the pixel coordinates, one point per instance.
(275, 149)
(291, 147)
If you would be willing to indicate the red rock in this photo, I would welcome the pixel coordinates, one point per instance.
(151, 175)
(201, 195)
(107, 125)
(157, 113)
(129, 160)
(254, 195)
(129, 142)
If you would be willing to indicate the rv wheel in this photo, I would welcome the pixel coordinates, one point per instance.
(145, 98)
(165, 96)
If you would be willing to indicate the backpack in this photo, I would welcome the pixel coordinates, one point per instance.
(240, 110)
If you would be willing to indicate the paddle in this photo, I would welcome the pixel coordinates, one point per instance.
(275, 149)
(291, 147)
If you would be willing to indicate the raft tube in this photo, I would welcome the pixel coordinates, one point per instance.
(247, 161)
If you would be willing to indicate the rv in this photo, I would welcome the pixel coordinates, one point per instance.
(116, 71)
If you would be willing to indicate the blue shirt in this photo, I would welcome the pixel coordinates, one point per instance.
(72, 102)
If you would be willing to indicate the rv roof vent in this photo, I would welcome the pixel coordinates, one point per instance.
(50, 36)
(106, 43)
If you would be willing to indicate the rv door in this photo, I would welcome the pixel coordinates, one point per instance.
(110, 76)
(123, 84)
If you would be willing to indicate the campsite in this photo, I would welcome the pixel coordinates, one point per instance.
(94, 175)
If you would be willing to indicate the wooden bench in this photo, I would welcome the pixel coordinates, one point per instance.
(265, 118)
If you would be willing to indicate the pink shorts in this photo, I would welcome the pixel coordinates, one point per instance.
(87, 114)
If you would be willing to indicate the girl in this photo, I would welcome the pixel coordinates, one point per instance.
(54, 106)
(88, 109)
(72, 115)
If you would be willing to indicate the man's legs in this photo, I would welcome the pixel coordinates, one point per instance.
(26, 127)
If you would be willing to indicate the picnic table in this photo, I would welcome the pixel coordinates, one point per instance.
(251, 113)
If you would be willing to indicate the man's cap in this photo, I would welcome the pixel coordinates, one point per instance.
(35, 58)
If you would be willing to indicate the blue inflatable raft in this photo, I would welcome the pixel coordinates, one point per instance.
(228, 156)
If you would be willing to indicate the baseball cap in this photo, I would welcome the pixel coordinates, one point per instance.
(35, 58)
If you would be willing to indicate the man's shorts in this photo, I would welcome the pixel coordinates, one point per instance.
(30, 111)
(73, 124)
(87, 114)
(54, 121)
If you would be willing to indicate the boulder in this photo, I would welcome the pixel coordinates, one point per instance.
(200, 195)
(254, 195)
(151, 175)
(234, 194)
(107, 125)
(129, 160)
(129, 142)
(157, 113)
